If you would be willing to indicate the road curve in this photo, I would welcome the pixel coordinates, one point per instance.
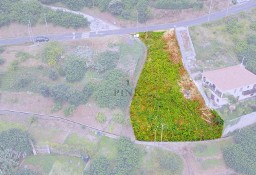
(204, 19)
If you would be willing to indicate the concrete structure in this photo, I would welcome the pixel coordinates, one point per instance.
(235, 81)
(185, 43)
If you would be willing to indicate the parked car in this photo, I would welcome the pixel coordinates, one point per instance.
(41, 39)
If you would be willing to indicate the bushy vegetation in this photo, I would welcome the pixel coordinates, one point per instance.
(242, 156)
(158, 101)
(226, 42)
(31, 11)
(67, 20)
(181, 4)
(62, 93)
(126, 9)
(106, 60)
(15, 145)
(52, 53)
(127, 161)
(74, 69)
(112, 92)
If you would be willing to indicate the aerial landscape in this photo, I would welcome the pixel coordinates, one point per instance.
(125, 87)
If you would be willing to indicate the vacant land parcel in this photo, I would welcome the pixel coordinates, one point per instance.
(166, 105)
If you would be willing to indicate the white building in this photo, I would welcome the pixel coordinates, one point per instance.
(234, 80)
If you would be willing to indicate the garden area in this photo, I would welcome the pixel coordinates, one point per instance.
(167, 105)
(90, 81)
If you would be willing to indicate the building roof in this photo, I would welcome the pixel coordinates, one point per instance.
(230, 77)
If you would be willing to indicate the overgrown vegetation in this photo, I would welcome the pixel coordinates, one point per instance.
(241, 156)
(227, 42)
(159, 106)
(15, 145)
(127, 161)
(181, 4)
(129, 9)
(32, 12)
(113, 91)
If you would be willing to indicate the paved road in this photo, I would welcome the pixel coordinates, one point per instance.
(213, 17)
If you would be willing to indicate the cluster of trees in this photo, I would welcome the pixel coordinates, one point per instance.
(62, 93)
(181, 4)
(31, 11)
(127, 161)
(127, 9)
(112, 92)
(242, 155)
(15, 145)
(245, 48)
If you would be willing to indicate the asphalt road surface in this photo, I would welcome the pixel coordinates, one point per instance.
(204, 19)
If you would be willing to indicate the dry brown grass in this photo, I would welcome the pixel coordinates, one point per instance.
(188, 87)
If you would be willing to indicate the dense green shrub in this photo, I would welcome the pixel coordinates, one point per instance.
(74, 4)
(99, 166)
(15, 145)
(52, 53)
(32, 12)
(115, 7)
(87, 92)
(217, 118)
(174, 4)
(74, 69)
(112, 92)
(143, 11)
(67, 20)
(242, 156)
(128, 160)
(53, 74)
(251, 39)
(45, 90)
(129, 157)
(106, 60)
(60, 93)
(49, 1)
(22, 83)
(233, 26)
(102, 4)
(16, 140)
(76, 98)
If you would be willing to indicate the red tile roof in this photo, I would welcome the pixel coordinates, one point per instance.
(230, 77)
